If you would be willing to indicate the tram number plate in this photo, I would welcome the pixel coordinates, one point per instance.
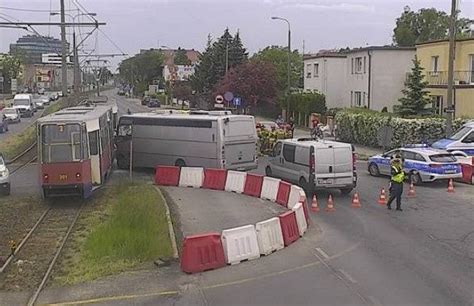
(62, 177)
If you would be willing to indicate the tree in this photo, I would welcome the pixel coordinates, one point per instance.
(181, 58)
(415, 97)
(212, 66)
(142, 69)
(425, 25)
(182, 90)
(278, 57)
(254, 81)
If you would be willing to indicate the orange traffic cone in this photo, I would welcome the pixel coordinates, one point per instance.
(382, 198)
(450, 186)
(355, 201)
(314, 204)
(411, 192)
(330, 206)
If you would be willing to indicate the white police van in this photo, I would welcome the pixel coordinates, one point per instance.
(421, 163)
(461, 141)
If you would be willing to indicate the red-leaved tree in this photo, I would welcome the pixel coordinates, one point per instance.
(254, 81)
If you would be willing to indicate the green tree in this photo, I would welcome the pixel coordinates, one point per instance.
(180, 57)
(142, 69)
(212, 65)
(415, 97)
(278, 57)
(425, 25)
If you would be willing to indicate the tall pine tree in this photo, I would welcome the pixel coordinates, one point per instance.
(415, 97)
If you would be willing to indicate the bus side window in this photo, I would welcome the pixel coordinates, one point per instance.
(94, 142)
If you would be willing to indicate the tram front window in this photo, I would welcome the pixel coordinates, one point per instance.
(62, 143)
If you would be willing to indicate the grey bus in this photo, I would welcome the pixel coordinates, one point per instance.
(210, 140)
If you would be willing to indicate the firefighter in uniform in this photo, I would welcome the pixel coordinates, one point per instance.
(396, 182)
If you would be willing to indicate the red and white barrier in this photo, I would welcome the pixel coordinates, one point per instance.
(167, 175)
(202, 252)
(283, 193)
(191, 177)
(295, 195)
(269, 236)
(253, 185)
(240, 244)
(214, 179)
(300, 218)
(467, 166)
(235, 181)
(289, 227)
(270, 188)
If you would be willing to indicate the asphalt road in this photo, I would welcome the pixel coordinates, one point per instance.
(15, 128)
(368, 256)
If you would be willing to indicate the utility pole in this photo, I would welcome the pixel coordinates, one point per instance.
(63, 51)
(452, 49)
(226, 56)
(77, 75)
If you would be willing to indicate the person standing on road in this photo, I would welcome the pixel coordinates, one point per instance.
(396, 182)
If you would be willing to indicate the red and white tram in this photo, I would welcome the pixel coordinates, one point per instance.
(76, 149)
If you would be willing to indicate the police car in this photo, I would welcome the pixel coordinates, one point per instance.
(421, 163)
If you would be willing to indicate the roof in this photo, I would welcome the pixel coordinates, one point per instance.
(307, 142)
(381, 48)
(76, 114)
(444, 40)
(181, 116)
(323, 55)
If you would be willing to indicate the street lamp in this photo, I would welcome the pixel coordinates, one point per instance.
(289, 66)
(77, 76)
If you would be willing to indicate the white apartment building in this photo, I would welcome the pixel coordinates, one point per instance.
(372, 77)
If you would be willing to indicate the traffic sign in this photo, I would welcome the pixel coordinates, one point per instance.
(237, 101)
(228, 96)
(219, 99)
(220, 105)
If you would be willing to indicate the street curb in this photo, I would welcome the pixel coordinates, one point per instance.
(174, 245)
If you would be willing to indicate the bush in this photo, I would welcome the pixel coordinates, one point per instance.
(362, 126)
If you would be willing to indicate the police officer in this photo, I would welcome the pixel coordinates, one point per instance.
(396, 182)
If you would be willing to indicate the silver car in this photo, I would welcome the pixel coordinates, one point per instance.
(12, 114)
(4, 177)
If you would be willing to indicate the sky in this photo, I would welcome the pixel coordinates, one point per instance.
(141, 24)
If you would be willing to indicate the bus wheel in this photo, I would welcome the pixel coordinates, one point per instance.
(123, 162)
(180, 163)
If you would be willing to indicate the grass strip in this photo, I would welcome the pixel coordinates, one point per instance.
(126, 228)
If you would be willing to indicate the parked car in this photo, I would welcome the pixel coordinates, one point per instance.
(3, 123)
(421, 163)
(146, 100)
(314, 164)
(12, 114)
(462, 140)
(154, 103)
(4, 177)
(41, 91)
(268, 125)
(121, 92)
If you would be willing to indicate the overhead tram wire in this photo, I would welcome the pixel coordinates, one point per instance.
(27, 10)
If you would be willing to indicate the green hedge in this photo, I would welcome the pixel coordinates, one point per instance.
(361, 127)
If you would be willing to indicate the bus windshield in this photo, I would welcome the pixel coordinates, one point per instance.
(61, 143)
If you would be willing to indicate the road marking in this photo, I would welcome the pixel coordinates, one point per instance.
(118, 297)
(324, 254)
(348, 276)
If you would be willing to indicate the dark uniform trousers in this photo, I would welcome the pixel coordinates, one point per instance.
(396, 190)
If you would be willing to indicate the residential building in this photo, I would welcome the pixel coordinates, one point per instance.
(32, 47)
(433, 57)
(178, 72)
(371, 77)
(325, 73)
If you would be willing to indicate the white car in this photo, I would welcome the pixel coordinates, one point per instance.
(12, 114)
(4, 177)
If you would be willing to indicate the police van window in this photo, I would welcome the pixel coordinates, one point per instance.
(469, 138)
(277, 149)
(460, 134)
(408, 155)
(289, 153)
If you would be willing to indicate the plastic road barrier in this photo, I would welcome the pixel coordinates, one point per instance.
(202, 252)
(294, 197)
(191, 177)
(167, 175)
(467, 173)
(283, 193)
(214, 179)
(289, 227)
(235, 181)
(253, 185)
(269, 236)
(300, 218)
(240, 244)
(270, 188)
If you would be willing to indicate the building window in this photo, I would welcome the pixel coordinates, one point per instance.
(352, 98)
(316, 70)
(434, 63)
(352, 66)
(471, 68)
(358, 99)
(365, 62)
(308, 71)
(437, 104)
(358, 65)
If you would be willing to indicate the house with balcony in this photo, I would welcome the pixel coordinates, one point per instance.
(433, 57)
(370, 77)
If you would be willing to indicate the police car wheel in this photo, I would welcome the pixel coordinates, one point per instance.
(415, 178)
(374, 170)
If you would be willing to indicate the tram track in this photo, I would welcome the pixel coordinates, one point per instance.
(31, 264)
